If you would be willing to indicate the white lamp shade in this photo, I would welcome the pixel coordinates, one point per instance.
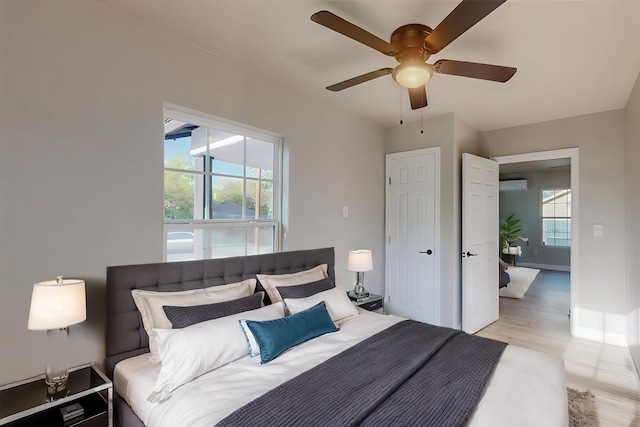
(360, 260)
(56, 305)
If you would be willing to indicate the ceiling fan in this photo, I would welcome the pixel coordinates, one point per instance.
(413, 44)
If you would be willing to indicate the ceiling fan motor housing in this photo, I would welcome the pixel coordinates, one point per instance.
(408, 41)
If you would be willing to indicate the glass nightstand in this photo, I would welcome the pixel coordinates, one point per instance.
(26, 403)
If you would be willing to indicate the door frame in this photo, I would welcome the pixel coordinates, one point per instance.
(387, 228)
(573, 154)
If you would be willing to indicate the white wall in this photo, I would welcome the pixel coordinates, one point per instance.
(525, 206)
(632, 199)
(81, 158)
(601, 296)
(454, 137)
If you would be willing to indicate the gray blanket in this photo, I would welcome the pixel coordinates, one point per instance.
(411, 374)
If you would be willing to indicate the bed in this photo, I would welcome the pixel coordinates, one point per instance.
(525, 388)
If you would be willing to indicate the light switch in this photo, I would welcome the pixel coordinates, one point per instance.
(345, 212)
(598, 230)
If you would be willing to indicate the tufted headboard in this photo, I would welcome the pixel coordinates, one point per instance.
(125, 335)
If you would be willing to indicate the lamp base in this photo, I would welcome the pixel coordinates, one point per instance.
(57, 390)
(359, 291)
(56, 384)
(57, 370)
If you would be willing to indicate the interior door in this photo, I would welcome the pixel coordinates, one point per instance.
(412, 250)
(480, 238)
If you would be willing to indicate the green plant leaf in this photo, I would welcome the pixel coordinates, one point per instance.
(509, 229)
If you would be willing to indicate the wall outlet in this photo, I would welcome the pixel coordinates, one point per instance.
(345, 212)
(535, 252)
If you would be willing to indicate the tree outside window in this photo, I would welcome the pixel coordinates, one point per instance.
(220, 192)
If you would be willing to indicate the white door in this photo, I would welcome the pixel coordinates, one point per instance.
(479, 242)
(412, 250)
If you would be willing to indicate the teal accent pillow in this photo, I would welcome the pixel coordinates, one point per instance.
(274, 337)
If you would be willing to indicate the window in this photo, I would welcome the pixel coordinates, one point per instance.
(556, 217)
(221, 189)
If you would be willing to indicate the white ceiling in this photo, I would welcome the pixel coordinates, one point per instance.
(573, 57)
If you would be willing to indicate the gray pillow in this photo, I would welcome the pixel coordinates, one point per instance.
(181, 317)
(306, 290)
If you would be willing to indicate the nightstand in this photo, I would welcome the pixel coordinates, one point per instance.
(373, 303)
(26, 403)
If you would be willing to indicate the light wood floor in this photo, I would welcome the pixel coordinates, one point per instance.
(539, 321)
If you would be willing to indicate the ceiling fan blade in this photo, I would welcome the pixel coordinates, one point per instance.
(418, 97)
(494, 73)
(360, 79)
(464, 16)
(352, 31)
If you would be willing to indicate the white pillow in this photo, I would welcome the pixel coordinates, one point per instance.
(338, 303)
(150, 304)
(197, 349)
(270, 281)
(254, 348)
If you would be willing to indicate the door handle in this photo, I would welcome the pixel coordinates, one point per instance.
(468, 254)
(428, 252)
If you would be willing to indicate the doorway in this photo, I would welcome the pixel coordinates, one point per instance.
(412, 285)
(555, 157)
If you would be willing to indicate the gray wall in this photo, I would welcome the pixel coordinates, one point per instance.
(632, 199)
(81, 159)
(525, 205)
(600, 292)
(454, 137)
(600, 296)
(81, 169)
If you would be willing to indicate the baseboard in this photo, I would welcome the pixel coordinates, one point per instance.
(634, 372)
(545, 266)
(600, 336)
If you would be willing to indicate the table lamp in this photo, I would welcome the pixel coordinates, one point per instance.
(360, 261)
(55, 305)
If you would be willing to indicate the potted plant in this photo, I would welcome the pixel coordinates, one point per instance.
(509, 229)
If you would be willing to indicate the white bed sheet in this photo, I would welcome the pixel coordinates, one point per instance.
(527, 388)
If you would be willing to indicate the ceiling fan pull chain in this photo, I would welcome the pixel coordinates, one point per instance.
(401, 122)
(422, 126)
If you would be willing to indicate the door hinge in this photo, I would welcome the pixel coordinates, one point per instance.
(388, 298)
(389, 180)
(389, 239)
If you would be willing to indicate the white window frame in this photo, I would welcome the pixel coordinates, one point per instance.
(542, 218)
(198, 118)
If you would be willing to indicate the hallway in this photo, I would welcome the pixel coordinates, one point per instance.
(539, 321)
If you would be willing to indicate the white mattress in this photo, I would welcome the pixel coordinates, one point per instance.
(527, 388)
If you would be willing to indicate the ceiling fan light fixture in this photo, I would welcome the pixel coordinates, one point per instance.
(412, 75)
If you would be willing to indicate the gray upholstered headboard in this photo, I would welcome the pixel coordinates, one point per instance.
(125, 335)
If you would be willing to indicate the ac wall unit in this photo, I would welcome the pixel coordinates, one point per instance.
(513, 185)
